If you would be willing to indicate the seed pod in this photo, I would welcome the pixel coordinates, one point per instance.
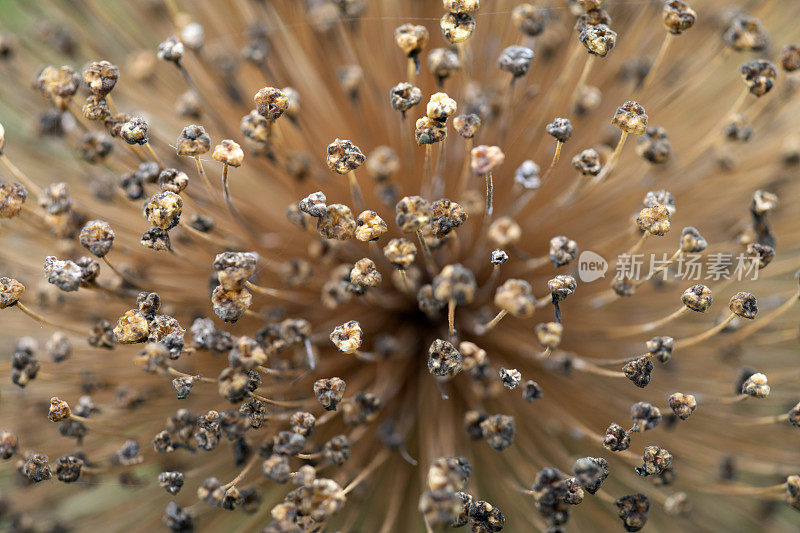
(443, 63)
(429, 131)
(230, 304)
(744, 305)
(65, 275)
(645, 416)
(457, 27)
(171, 481)
(255, 127)
(8, 445)
(441, 107)
(528, 19)
(560, 129)
(95, 108)
(598, 39)
(382, 163)
(662, 197)
(511, 377)
(746, 33)
(498, 430)
(738, 129)
(683, 405)
(55, 199)
(467, 125)
(692, 241)
(370, 227)
(228, 152)
(404, 96)
(411, 39)
(413, 213)
(443, 359)
(337, 223)
(135, 131)
(343, 156)
(455, 283)
(632, 509)
(439, 507)
(483, 517)
(59, 85)
(12, 195)
(656, 460)
(171, 50)
(36, 467)
(654, 220)
(616, 438)
(515, 60)
(498, 257)
(639, 371)
(271, 103)
(591, 472)
(678, 16)
(515, 297)
(531, 391)
(400, 253)
(365, 273)
(756, 386)
(761, 253)
(759, 76)
(561, 287)
(362, 410)
(329, 392)
(461, 6)
(661, 347)
(94, 147)
(347, 337)
(654, 145)
(97, 237)
(449, 473)
(193, 141)
(563, 251)
(790, 58)
(587, 162)
(163, 211)
(59, 410)
(630, 117)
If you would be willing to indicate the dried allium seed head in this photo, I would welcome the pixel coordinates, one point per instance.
(246, 354)
(96, 108)
(531, 391)
(132, 327)
(171, 50)
(404, 96)
(762, 253)
(329, 392)
(498, 430)
(337, 223)
(549, 334)
(443, 63)
(347, 336)
(639, 371)
(645, 416)
(382, 163)
(59, 347)
(764, 203)
(744, 304)
(746, 33)
(337, 450)
(738, 129)
(350, 78)
(411, 39)
(759, 76)
(12, 195)
(591, 472)
(8, 445)
(446, 215)
(193, 141)
(498, 257)
(293, 105)
(485, 518)
(656, 460)
(429, 131)
(504, 232)
(59, 85)
(683, 405)
(365, 273)
(678, 504)
(173, 180)
(271, 102)
(97, 237)
(756, 386)
(692, 241)
(678, 16)
(230, 304)
(616, 438)
(654, 220)
(661, 347)
(515, 60)
(455, 283)
(135, 131)
(528, 19)
(661, 197)
(314, 204)
(632, 509)
(441, 107)
(587, 162)
(413, 213)
(443, 359)
(440, 507)
(516, 297)
(561, 287)
(560, 129)
(163, 211)
(630, 117)
(467, 125)
(654, 145)
(59, 410)
(370, 227)
(461, 6)
(457, 27)
(255, 127)
(100, 77)
(511, 377)
(228, 152)
(598, 39)
(790, 57)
